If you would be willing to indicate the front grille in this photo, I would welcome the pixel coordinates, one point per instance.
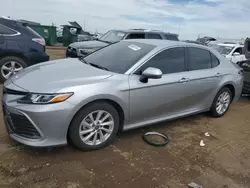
(13, 92)
(20, 125)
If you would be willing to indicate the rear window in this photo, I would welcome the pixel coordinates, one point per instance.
(29, 30)
(119, 57)
(33, 32)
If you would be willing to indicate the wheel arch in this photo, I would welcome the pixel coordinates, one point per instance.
(117, 105)
(15, 54)
(230, 86)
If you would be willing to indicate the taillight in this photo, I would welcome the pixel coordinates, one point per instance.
(39, 40)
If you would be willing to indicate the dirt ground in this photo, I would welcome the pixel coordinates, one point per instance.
(56, 52)
(129, 162)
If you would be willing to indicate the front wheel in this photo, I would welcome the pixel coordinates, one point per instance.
(221, 102)
(94, 126)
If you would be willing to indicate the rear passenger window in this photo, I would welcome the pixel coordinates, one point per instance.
(199, 59)
(215, 61)
(6, 31)
(172, 37)
(168, 61)
(154, 36)
(136, 36)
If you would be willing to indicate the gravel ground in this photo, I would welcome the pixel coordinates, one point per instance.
(129, 162)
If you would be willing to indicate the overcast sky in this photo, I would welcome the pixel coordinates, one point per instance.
(217, 18)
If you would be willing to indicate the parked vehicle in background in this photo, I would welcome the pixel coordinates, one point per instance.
(79, 49)
(232, 51)
(246, 67)
(20, 46)
(205, 40)
(123, 86)
(85, 37)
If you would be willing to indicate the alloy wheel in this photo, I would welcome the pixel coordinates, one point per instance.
(223, 102)
(96, 127)
(9, 68)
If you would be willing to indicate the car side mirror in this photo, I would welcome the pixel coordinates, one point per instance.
(150, 73)
(236, 53)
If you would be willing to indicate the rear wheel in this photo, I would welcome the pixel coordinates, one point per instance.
(221, 102)
(94, 126)
(10, 65)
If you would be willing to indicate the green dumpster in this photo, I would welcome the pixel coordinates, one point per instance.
(68, 37)
(47, 32)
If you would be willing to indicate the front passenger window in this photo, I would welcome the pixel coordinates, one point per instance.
(239, 50)
(168, 61)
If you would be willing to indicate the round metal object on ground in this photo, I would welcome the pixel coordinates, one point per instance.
(155, 143)
(9, 68)
(96, 127)
(223, 102)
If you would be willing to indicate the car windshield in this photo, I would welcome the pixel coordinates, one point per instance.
(224, 50)
(113, 36)
(119, 57)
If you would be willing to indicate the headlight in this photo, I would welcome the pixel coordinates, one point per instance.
(33, 98)
(85, 51)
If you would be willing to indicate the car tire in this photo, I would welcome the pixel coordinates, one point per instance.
(6, 61)
(223, 98)
(77, 126)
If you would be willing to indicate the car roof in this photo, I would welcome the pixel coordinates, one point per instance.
(230, 45)
(144, 31)
(165, 43)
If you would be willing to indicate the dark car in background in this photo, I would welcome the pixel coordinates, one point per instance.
(79, 49)
(20, 47)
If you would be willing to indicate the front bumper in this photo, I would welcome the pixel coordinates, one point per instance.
(50, 122)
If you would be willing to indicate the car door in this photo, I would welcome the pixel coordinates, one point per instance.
(240, 57)
(203, 78)
(2, 43)
(2, 38)
(164, 97)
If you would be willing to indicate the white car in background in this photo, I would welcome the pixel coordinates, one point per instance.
(232, 51)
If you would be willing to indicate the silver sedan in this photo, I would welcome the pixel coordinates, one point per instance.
(123, 86)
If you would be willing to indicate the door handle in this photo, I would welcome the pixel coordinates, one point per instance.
(217, 74)
(183, 80)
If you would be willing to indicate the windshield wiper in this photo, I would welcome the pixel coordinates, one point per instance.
(92, 64)
(83, 60)
(104, 41)
(98, 66)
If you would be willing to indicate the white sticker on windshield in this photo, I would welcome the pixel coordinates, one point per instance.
(120, 34)
(134, 47)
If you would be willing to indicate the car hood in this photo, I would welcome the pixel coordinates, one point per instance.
(89, 44)
(54, 75)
